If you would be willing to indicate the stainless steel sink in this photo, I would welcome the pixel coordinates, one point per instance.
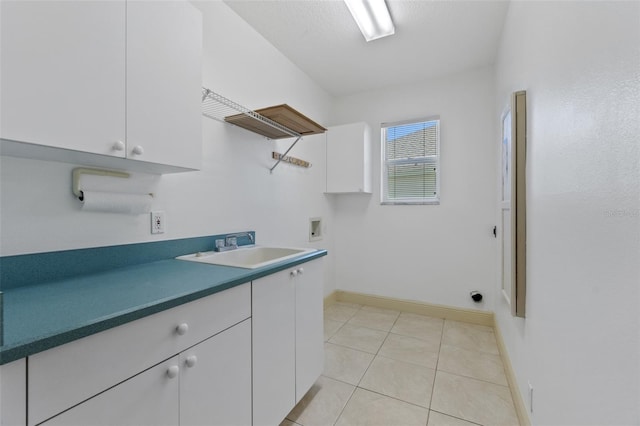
(248, 257)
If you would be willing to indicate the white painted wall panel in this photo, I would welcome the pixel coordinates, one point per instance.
(580, 343)
(432, 253)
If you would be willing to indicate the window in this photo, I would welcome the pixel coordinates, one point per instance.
(411, 162)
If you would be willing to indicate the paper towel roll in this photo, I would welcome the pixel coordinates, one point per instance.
(113, 202)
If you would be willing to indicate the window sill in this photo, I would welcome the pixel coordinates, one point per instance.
(410, 203)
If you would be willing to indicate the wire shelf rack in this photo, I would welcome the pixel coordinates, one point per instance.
(219, 108)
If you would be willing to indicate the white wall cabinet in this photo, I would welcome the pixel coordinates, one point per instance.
(349, 159)
(120, 79)
(288, 351)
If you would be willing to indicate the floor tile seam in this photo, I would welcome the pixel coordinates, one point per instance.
(478, 380)
(338, 380)
(455, 417)
(372, 359)
(406, 362)
(376, 329)
(345, 404)
(349, 347)
(433, 385)
(364, 326)
(394, 398)
(473, 350)
(412, 336)
(335, 332)
(466, 348)
(353, 349)
(474, 378)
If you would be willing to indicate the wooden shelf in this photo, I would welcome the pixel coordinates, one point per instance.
(276, 122)
(281, 114)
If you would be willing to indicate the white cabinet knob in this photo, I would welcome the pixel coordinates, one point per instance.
(138, 150)
(300, 271)
(182, 329)
(191, 361)
(118, 146)
(294, 273)
(173, 371)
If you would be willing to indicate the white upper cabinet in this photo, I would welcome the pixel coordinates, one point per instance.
(349, 159)
(63, 74)
(116, 78)
(164, 82)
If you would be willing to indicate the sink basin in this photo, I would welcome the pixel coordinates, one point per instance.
(248, 257)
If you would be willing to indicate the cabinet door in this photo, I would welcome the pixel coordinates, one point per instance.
(164, 82)
(150, 398)
(273, 317)
(349, 159)
(309, 325)
(13, 393)
(215, 385)
(63, 74)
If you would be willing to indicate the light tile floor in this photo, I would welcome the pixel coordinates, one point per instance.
(393, 368)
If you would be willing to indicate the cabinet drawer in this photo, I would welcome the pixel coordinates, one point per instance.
(67, 375)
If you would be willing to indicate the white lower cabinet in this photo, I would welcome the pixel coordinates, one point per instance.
(100, 364)
(13, 393)
(208, 384)
(215, 381)
(309, 326)
(150, 398)
(288, 351)
(243, 356)
(273, 315)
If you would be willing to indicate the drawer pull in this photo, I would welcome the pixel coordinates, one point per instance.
(173, 371)
(294, 273)
(182, 329)
(300, 271)
(191, 361)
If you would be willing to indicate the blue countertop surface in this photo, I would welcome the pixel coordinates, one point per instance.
(45, 315)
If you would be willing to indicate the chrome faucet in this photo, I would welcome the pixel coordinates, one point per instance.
(230, 242)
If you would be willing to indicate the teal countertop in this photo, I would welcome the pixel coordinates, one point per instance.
(48, 314)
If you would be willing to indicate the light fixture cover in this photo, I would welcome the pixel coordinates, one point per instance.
(372, 17)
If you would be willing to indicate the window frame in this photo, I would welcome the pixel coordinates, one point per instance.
(432, 159)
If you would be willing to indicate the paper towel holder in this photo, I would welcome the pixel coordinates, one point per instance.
(77, 172)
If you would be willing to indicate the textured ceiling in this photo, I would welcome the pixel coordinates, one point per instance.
(433, 37)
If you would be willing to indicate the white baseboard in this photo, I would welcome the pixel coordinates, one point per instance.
(518, 402)
(439, 311)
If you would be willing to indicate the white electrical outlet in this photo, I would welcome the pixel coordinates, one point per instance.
(158, 224)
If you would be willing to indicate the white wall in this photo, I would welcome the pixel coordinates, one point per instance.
(234, 190)
(579, 345)
(431, 253)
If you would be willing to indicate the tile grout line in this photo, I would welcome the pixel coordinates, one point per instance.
(456, 417)
(433, 386)
(356, 387)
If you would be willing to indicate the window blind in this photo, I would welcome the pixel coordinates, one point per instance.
(411, 162)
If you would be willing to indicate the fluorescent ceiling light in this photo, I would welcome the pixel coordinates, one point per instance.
(372, 17)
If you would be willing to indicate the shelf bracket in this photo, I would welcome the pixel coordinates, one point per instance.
(285, 154)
